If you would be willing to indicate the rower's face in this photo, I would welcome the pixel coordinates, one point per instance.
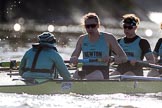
(128, 29)
(91, 25)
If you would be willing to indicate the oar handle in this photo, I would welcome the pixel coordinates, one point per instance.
(111, 59)
(145, 64)
(90, 60)
(86, 60)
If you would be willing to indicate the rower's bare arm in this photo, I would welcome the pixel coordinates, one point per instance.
(77, 51)
(120, 56)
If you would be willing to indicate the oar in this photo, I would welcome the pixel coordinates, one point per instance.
(150, 65)
(81, 61)
(16, 63)
(129, 77)
(7, 65)
(5, 69)
(85, 60)
(13, 74)
(11, 64)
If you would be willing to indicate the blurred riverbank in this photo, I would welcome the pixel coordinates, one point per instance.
(28, 32)
(13, 44)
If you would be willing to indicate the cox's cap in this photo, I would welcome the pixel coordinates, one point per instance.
(47, 37)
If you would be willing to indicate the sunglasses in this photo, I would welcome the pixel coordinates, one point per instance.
(90, 26)
(128, 27)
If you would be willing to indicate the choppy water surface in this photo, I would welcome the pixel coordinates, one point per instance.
(81, 101)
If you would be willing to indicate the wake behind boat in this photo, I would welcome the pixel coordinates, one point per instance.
(116, 84)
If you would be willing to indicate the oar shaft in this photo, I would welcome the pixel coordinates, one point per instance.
(10, 64)
(16, 63)
(144, 64)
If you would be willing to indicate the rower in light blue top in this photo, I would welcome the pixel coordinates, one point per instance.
(96, 45)
(136, 48)
(95, 50)
(129, 48)
(158, 57)
(43, 60)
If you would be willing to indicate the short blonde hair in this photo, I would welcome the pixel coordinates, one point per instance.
(132, 17)
(90, 16)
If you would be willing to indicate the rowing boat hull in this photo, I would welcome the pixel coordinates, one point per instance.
(8, 85)
(85, 87)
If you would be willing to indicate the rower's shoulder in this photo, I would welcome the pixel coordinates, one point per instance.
(143, 41)
(108, 35)
(81, 37)
(141, 38)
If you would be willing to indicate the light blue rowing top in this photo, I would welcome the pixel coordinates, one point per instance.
(132, 50)
(93, 50)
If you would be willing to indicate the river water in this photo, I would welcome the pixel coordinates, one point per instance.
(81, 101)
(13, 45)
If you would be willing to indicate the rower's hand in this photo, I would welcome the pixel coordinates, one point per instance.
(108, 59)
(74, 60)
(133, 62)
(118, 60)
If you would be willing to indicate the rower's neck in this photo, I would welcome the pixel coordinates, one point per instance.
(93, 37)
(131, 35)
